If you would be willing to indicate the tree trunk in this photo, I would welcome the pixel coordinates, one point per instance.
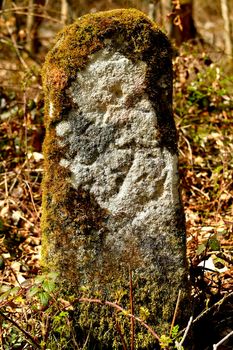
(166, 9)
(227, 26)
(33, 23)
(65, 11)
(155, 12)
(183, 27)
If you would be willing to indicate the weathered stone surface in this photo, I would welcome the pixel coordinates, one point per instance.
(111, 187)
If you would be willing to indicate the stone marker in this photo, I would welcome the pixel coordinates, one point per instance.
(111, 199)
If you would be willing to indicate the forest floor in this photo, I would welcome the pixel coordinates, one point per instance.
(203, 110)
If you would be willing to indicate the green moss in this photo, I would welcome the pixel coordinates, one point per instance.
(72, 217)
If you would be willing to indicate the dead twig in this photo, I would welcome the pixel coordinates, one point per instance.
(24, 64)
(52, 19)
(25, 122)
(213, 307)
(131, 310)
(179, 345)
(32, 200)
(215, 346)
(118, 328)
(120, 309)
(175, 312)
(27, 335)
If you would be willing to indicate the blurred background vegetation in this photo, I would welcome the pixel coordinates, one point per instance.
(201, 33)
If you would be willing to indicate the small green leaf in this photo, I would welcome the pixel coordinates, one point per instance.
(2, 262)
(48, 286)
(219, 261)
(1, 226)
(63, 314)
(201, 248)
(4, 288)
(5, 295)
(214, 243)
(39, 279)
(165, 341)
(44, 298)
(8, 292)
(14, 290)
(52, 276)
(125, 312)
(33, 291)
(175, 331)
(144, 313)
(218, 169)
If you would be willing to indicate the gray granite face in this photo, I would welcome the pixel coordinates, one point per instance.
(114, 153)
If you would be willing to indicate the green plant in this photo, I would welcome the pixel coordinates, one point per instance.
(42, 322)
(173, 341)
(51, 324)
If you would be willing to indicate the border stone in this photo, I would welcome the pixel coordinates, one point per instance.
(111, 200)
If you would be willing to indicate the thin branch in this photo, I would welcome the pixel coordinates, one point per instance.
(32, 199)
(24, 64)
(27, 335)
(131, 310)
(25, 122)
(200, 191)
(52, 19)
(119, 308)
(215, 346)
(227, 26)
(189, 147)
(15, 9)
(186, 332)
(38, 7)
(118, 328)
(6, 187)
(175, 312)
(216, 305)
(23, 10)
(1, 333)
(87, 339)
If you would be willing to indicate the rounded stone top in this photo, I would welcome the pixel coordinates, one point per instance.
(131, 34)
(128, 31)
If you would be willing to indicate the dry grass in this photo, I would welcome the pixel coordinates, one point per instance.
(203, 110)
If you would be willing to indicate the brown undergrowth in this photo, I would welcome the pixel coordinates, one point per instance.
(203, 112)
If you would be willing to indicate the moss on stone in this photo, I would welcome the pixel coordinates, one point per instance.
(68, 212)
(132, 34)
